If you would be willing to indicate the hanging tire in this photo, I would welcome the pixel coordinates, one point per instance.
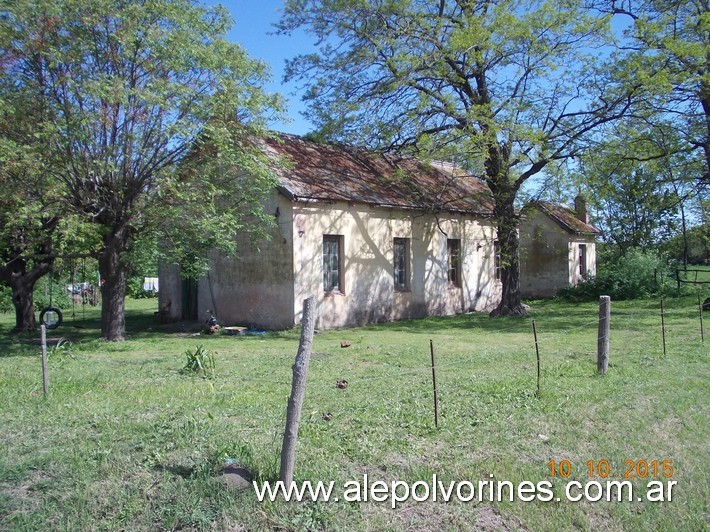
(51, 317)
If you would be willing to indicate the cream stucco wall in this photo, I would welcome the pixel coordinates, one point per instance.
(368, 294)
(265, 285)
(549, 256)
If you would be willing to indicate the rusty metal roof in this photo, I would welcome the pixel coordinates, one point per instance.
(310, 171)
(566, 218)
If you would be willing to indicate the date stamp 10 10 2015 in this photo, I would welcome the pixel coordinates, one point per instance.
(602, 469)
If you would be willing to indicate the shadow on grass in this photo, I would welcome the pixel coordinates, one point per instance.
(142, 324)
(561, 316)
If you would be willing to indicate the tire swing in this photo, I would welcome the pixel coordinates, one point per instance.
(51, 317)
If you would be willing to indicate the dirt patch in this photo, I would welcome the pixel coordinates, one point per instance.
(236, 477)
(26, 496)
(489, 518)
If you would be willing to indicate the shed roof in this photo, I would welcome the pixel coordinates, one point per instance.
(332, 172)
(566, 218)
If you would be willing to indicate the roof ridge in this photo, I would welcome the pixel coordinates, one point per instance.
(571, 222)
(341, 172)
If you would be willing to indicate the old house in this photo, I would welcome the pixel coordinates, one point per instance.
(557, 247)
(373, 237)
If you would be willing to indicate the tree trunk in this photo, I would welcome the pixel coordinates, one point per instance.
(705, 102)
(21, 281)
(685, 236)
(114, 273)
(23, 300)
(508, 241)
(504, 192)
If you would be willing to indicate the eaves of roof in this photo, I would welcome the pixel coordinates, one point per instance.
(566, 218)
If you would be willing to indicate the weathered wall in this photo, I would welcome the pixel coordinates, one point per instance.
(369, 295)
(256, 287)
(170, 293)
(265, 286)
(549, 256)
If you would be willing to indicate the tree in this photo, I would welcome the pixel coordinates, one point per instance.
(670, 41)
(27, 232)
(131, 87)
(30, 210)
(642, 183)
(508, 87)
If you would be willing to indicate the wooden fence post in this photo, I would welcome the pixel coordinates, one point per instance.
(702, 331)
(603, 336)
(663, 327)
(45, 374)
(537, 355)
(298, 391)
(433, 379)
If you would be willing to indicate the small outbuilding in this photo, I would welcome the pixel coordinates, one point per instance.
(557, 247)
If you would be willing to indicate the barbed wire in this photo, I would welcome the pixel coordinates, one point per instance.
(545, 335)
(549, 330)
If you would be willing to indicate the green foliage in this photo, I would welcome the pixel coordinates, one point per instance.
(698, 245)
(51, 291)
(199, 362)
(503, 88)
(670, 39)
(144, 257)
(30, 206)
(641, 183)
(637, 274)
(129, 92)
(134, 289)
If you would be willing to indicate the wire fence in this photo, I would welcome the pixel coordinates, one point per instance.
(675, 324)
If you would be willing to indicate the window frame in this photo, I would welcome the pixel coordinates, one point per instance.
(582, 258)
(401, 267)
(453, 262)
(327, 269)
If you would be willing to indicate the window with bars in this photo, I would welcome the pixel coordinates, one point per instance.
(453, 251)
(332, 263)
(401, 264)
(583, 261)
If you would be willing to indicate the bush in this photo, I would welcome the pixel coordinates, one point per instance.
(636, 275)
(698, 245)
(59, 294)
(6, 299)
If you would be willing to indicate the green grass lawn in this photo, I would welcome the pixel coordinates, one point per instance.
(125, 441)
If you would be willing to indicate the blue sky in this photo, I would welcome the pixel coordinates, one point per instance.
(254, 29)
(253, 24)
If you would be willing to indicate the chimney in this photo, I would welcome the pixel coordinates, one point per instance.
(580, 206)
